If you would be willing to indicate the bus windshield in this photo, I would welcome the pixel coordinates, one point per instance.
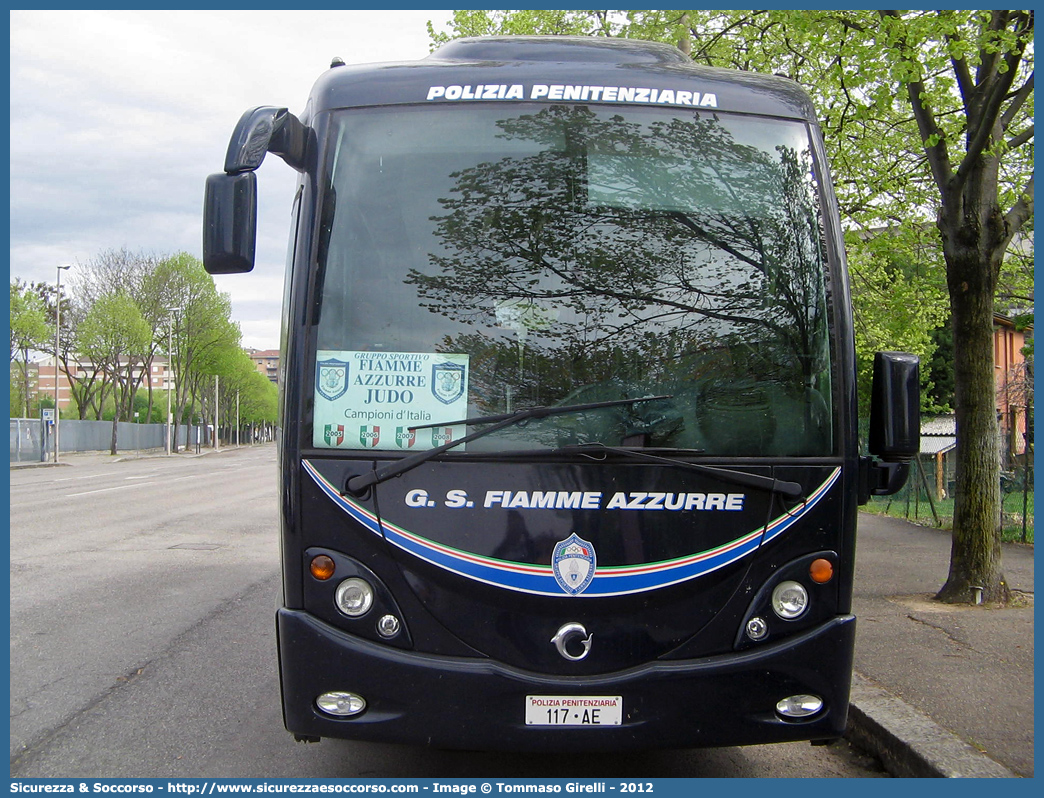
(478, 259)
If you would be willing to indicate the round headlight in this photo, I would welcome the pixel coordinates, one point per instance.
(789, 600)
(354, 597)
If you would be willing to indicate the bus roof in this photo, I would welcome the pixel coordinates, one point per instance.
(550, 68)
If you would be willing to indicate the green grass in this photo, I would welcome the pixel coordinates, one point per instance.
(916, 508)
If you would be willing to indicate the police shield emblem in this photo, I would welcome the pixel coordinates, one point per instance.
(447, 382)
(573, 564)
(331, 379)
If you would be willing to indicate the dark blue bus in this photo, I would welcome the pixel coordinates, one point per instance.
(568, 454)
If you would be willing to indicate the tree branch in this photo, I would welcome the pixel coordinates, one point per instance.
(1021, 211)
(722, 34)
(988, 57)
(998, 85)
(1017, 141)
(1018, 100)
(938, 155)
(965, 81)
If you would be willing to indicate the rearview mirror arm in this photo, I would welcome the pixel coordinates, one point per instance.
(262, 130)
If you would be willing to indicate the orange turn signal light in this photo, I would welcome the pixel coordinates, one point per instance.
(322, 567)
(821, 571)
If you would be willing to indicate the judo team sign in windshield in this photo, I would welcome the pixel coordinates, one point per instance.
(368, 400)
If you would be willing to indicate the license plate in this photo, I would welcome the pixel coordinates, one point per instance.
(562, 710)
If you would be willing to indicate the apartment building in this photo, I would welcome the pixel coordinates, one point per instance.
(267, 362)
(159, 376)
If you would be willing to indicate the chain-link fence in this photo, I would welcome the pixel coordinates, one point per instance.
(32, 442)
(26, 440)
(929, 494)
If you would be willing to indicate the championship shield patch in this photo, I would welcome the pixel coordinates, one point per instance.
(333, 434)
(405, 437)
(447, 382)
(573, 564)
(369, 436)
(331, 379)
(441, 435)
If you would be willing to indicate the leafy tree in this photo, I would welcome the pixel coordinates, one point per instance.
(202, 328)
(509, 23)
(938, 397)
(29, 330)
(114, 335)
(245, 392)
(49, 294)
(214, 367)
(928, 117)
(899, 301)
(135, 273)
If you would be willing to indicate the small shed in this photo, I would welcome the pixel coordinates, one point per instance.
(938, 445)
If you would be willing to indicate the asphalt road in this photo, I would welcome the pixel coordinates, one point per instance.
(143, 597)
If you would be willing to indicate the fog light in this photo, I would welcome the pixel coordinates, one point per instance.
(341, 704)
(757, 628)
(388, 626)
(354, 597)
(789, 600)
(799, 706)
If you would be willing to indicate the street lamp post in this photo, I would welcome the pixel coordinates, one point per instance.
(170, 373)
(57, 341)
(216, 444)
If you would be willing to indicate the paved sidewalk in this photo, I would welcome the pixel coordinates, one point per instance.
(940, 690)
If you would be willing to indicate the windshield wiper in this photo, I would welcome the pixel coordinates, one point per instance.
(790, 489)
(358, 484)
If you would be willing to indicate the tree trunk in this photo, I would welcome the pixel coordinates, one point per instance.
(973, 261)
(25, 383)
(147, 370)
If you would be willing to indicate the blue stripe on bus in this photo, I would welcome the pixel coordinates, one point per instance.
(540, 580)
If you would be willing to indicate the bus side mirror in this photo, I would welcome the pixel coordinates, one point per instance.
(895, 407)
(229, 223)
(895, 421)
(230, 200)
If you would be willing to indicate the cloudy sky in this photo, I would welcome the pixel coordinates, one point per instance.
(117, 117)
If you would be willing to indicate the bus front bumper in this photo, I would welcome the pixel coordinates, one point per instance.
(479, 704)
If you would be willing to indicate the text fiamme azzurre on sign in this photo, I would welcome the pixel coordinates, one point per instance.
(581, 500)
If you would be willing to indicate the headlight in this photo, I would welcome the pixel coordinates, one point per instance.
(341, 704)
(789, 600)
(799, 706)
(354, 597)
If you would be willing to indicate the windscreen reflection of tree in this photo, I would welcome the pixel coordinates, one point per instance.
(649, 256)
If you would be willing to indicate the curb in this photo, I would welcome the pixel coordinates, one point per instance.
(908, 742)
(119, 458)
